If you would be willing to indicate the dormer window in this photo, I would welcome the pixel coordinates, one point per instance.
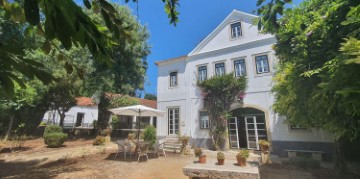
(236, 30)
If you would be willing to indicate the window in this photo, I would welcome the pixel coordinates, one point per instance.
(202, 73)
(173, 121)
(297, 127)
(240, 68)
(204, 120)
(236, 30)
(262, 64)
(219, 69)
(173, 78)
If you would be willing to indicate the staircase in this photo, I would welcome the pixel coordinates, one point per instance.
(172, 144)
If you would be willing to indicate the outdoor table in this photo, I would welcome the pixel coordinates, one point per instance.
(229, 170)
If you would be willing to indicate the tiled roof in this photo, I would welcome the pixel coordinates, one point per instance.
(148, 103)
(85, 101)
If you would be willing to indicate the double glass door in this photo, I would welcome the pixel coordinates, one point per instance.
(255, 130)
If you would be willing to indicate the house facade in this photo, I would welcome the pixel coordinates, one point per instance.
(234, 46)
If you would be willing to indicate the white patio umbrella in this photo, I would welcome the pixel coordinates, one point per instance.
(137, 110)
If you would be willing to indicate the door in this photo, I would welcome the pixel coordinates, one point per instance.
(79, 119)
(173, 121)
(233, 133)
(255, 130)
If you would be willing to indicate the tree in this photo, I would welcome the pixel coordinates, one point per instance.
(66, 22)
(219, 92)
(150, 96)
(128, 73)
(317, 83)
(61, 97)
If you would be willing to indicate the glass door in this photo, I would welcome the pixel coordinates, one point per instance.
(173, 121)
(255, 130)
(233, 133)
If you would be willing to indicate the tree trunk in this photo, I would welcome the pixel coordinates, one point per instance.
(340, 162)
(9, 128)
(62, 118)
(104, 114)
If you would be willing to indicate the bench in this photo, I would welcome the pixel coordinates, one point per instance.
(316, 155)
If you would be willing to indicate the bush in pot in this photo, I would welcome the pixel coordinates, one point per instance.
(199, 153)
(264, 145)
(242, 156)
(221, 158)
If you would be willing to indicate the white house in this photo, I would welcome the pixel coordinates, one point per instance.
(82, 115)
(234, 46)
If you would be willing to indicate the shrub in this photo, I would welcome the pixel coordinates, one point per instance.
(53, 136)
(243, 154)
(264, 142)
(198, 152)
(184, 139)
(150, 134)
(105, 132)
(115, 121)
(220, 156)
(131, 136)
(99, 140)
(55, 140)
(52, 129)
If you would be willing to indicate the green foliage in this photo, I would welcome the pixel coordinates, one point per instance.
(150, 134)
(243, 154)
(99, 140)
(219, 92)
(150, 96)
(115, 121)
(317, 84)
(55, 140)
(52, 129)
(220, 156)
(198, 152)
(53, 136)
(120, 101)
(264, 142)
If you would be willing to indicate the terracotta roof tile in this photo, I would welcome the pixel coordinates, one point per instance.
(85, 101)
(148, 103)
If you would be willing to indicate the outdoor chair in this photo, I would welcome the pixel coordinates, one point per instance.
(123, 146)
(159, 145)
(143, 149)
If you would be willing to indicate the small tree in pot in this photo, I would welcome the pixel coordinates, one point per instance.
(221, 158)
(199, 153)
(264, 146)
(242, 156)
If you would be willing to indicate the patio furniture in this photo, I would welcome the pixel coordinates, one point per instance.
(159, 146)
(143, 148)
(123, 146)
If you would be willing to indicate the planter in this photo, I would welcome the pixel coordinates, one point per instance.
(221, 161)
(241, 161)
(264, 148)
(202, 159)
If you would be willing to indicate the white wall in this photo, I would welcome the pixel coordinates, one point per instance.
(90, 114)
(258, 94)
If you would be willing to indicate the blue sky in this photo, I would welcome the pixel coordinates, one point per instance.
(197, 19)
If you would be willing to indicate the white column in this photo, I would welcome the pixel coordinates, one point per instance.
(152, 120)
(134, 122)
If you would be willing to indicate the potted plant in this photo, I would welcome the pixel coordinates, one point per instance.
(242, 156)
(264, 146)
(198, 153)
(220, 158)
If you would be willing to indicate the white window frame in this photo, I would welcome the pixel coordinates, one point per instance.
(206, 124)
(173, 81)
(202, 76)
(219, 73)
(173, 127)
(241, 69)
(238, 29)
(264, 68)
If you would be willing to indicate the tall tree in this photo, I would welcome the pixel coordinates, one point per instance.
(318, 83)
(150, 96)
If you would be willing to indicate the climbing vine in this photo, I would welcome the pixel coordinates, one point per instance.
(218, 93)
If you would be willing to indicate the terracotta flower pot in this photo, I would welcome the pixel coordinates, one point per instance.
(202, 159)
(221, 161)
(241, 161)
